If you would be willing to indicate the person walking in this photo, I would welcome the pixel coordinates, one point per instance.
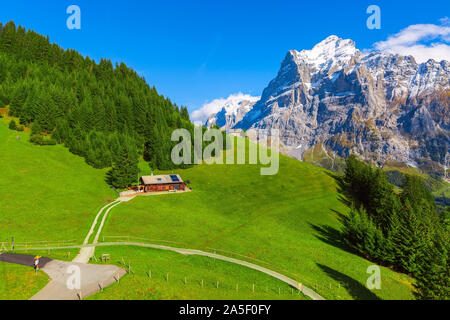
(36, 264)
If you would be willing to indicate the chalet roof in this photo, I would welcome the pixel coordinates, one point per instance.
(173, 178)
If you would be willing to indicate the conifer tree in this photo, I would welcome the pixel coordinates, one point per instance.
(433, 276)
(12, 125)
(125, 168)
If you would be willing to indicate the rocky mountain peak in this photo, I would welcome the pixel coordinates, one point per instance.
(331, 53)
(382, 106)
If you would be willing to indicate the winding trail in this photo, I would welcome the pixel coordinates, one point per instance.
(293, 283)
(95, 277)
(87, 252)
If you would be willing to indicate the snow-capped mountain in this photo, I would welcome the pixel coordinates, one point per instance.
(384, 107)
(233, 110)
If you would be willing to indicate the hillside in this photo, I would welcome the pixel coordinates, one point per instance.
(96, 109)
(190, 277)
(19, 282)
(47, 193)
(289, 220)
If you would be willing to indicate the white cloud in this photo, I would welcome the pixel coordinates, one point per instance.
(200, 116)
(409, 41)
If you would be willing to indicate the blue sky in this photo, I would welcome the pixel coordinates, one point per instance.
(199, 50)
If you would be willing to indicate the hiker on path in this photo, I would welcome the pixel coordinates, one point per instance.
(36, 264)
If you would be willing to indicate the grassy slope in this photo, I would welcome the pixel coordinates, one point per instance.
(20, 282)
(46, 193)
(289, 220)
(138, 285)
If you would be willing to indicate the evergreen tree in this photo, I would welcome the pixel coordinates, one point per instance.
(36, 128)
(71, 97)
(433, 276)
(400, 230)
(125, 168)
(12, 125)
(410, 239)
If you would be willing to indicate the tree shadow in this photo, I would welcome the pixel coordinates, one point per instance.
(353, 287)
(344, 195)
(329, 235)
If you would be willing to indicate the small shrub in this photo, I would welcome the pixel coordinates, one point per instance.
(36, 129)
(12, 125)
(20, 128)
(49, 142)
(39, 139)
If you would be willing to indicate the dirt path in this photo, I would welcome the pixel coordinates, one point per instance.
(95, 277)
(305, 290)
(87, 252)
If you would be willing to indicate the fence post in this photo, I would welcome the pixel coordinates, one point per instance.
(253, 289)
(167, 277)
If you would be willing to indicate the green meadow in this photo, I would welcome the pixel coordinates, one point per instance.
(288, 222)
(20, 282)
(46, 192)
(163, 275)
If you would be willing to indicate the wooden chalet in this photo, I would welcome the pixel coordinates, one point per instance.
(171, 182)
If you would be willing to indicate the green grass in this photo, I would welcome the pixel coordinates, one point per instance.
(20, 282)
(137, 285)
(319, 156)
(47, 193)
(442, 188)
(289, 220)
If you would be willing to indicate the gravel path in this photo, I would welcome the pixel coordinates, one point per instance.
(87, 252)
(92, 277)
(306, 291)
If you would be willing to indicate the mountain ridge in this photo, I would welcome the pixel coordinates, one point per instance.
(381, 106)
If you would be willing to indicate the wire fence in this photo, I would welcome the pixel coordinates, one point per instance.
(112, 240)
(135, 269)
(30, 245)
(132, 238)
(300, 279)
